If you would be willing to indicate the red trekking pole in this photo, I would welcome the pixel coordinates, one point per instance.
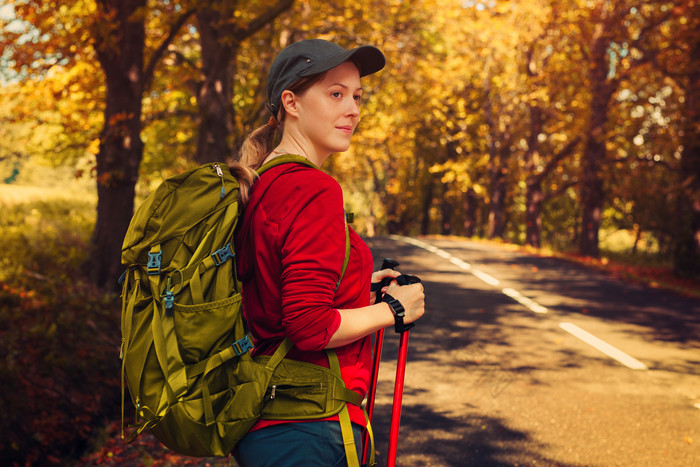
(378, 341)
(398, 396)
(401, 328)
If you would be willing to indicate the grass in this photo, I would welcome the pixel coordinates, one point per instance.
(59, 336)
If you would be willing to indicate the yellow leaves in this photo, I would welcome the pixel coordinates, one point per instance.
(182, 136)
(94, 146)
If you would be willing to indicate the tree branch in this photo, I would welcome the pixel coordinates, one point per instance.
(241, 33)
(560, 191)
(558, 157)
(646, 160)
(158, 53)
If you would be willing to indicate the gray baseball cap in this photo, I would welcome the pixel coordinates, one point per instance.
(313, 56)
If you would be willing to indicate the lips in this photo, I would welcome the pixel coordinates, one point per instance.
(345, 129)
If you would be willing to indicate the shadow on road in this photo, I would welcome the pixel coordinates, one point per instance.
(667, 316)
(435, 439)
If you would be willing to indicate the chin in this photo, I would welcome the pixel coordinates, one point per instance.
(342, 147)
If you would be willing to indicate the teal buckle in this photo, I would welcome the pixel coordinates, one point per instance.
(243, 345)
(169, 300)
(222, 255)
(153, 266)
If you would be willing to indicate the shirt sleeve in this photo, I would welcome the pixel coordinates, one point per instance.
(312, 240)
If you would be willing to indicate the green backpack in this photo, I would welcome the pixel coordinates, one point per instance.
(185, 345)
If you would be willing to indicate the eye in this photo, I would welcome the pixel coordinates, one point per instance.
(357, 97)
(337, 94)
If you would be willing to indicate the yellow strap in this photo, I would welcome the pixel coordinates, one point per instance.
(160, 347)
(372, 460)
(165, 343)
(348, 395)
(346, 260)
(348, 438)
(213, 362)
(127, 316)
(284, 159)
(344, 417)
(206, 401)
(279, 354)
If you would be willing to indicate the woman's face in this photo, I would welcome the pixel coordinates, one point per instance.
(328, 111)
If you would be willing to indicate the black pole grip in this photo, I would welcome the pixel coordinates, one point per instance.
(387, 263)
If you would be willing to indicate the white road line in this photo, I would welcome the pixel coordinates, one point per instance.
(607, 349)
(443, 254)
(460, 264)
(486, 277)
(523, 300)
(571, 328)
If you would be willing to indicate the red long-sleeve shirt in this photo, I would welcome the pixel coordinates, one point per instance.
(291, 258)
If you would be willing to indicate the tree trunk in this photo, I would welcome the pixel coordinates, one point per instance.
(470, 210)
(592, 194)
(392, 217)
(498, 199)
(686, 248)
(533, 215)
(499, 152)
(121, 57)
(215, 93)
(446, 211)
(427, 204)
(533, 180)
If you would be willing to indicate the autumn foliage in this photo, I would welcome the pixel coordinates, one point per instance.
(551, 123)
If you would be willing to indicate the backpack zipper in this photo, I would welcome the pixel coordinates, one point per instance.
(220, 173)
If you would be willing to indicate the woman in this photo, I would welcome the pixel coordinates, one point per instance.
(294, 250)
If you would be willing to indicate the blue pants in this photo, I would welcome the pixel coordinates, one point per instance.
(305, 444)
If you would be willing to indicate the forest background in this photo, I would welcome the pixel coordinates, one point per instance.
(564, 125)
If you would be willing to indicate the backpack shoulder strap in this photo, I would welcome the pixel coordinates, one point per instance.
(285, 159)
(295, 158)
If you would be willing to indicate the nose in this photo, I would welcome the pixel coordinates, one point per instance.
(353, 108)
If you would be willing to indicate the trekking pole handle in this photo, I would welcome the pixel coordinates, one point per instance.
(387, 263)
(399, 326)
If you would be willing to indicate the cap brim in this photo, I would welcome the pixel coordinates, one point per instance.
(368, 59)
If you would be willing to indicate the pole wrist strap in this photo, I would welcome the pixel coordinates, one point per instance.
(399, 313)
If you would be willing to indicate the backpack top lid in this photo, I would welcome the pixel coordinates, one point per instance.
(177, 204)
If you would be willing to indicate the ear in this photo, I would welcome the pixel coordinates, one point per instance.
(289, 102)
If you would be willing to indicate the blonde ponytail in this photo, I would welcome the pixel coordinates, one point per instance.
(258, 145)
(254, 150)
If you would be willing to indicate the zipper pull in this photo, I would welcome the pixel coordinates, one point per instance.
(272, 393)
(220, 173)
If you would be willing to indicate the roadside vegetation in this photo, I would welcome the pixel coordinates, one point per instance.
(59, 335)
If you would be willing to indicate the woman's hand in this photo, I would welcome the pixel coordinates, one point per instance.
(412, 297)
(377, 277)
(360, 322)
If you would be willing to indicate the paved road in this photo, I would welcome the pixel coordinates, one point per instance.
(523, 360)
